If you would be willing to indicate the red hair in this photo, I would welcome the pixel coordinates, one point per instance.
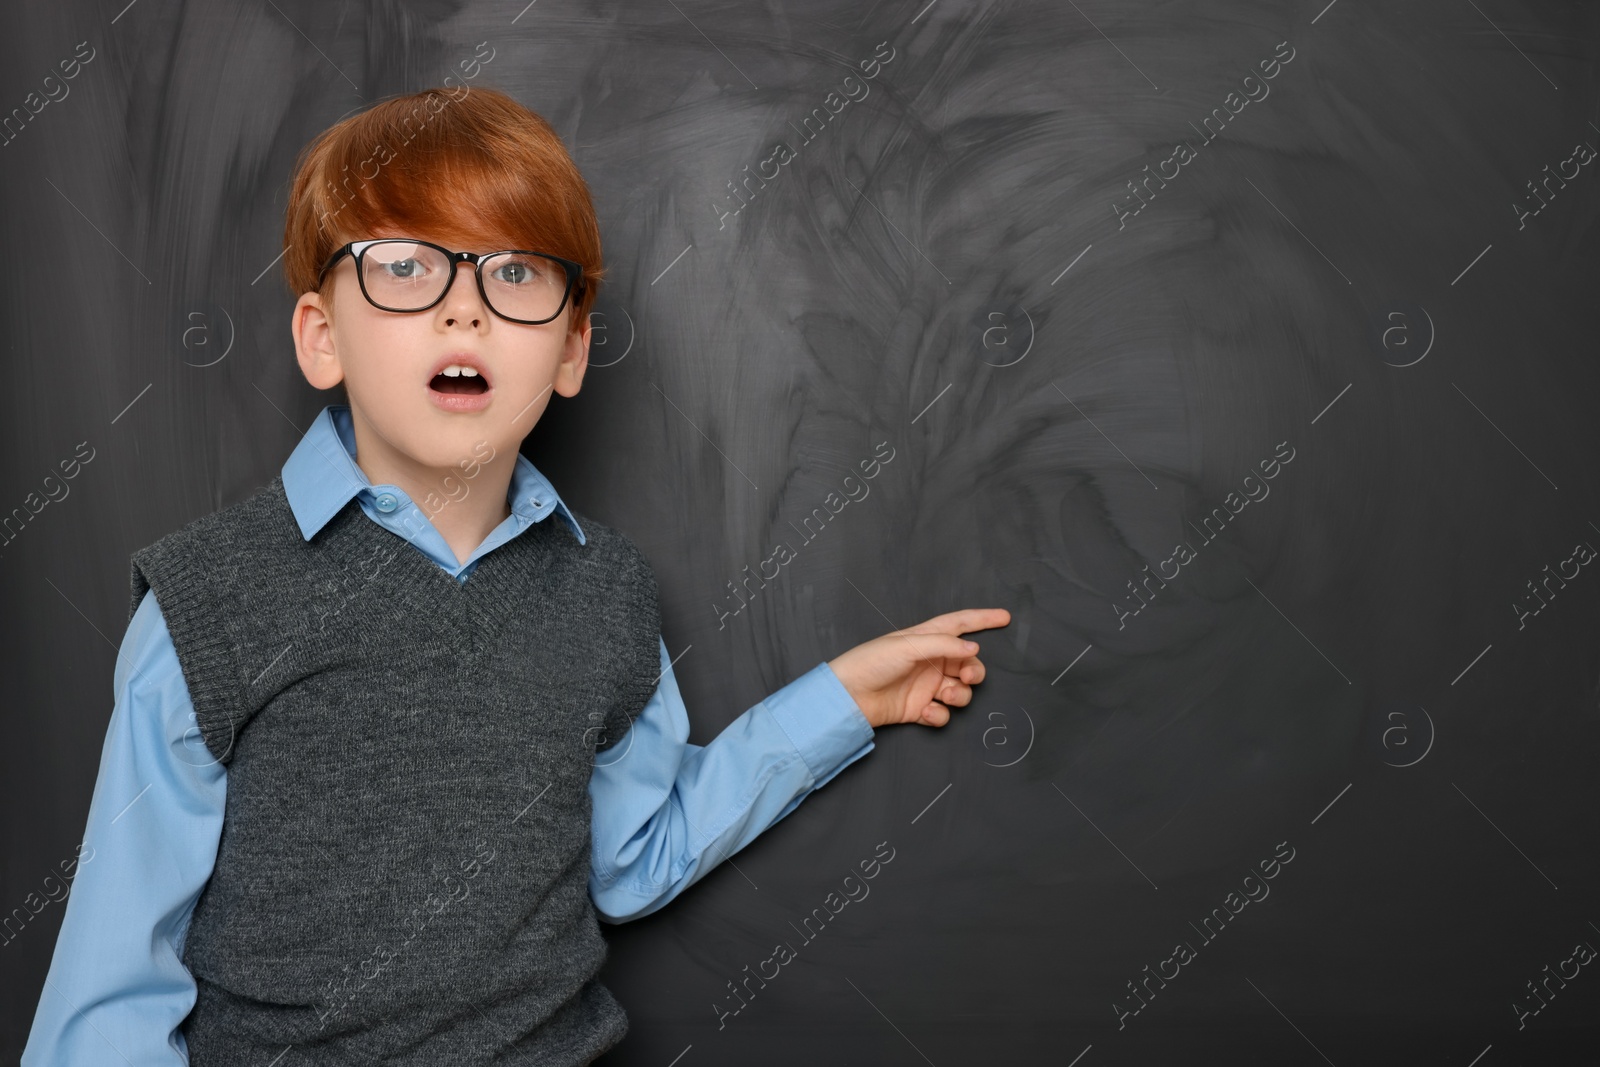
(468, 167)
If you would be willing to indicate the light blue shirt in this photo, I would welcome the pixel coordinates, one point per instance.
(665, 811)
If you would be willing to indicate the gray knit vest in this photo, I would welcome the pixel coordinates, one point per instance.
(402, 876)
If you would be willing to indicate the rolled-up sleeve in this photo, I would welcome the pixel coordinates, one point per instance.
(666, 812)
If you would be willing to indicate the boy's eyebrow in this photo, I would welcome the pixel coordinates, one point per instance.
(504, 243)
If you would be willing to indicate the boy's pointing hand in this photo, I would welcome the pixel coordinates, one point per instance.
(911, 675)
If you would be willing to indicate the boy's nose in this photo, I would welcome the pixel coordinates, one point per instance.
(465, 290)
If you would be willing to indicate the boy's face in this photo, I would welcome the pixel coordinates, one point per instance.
(387, 361)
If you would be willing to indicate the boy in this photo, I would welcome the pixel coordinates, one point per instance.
(372, 769)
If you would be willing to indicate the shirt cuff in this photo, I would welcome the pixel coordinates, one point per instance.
(821, 720)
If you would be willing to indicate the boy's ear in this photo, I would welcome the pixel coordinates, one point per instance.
(313, 342)
(574, 360)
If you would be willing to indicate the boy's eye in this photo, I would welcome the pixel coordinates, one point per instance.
(518, 272)
(402, 268)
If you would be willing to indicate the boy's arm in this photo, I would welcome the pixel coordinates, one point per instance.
(666, 812)
(117, 989)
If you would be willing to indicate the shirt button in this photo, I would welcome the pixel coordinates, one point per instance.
(386, 502)
(538, 503)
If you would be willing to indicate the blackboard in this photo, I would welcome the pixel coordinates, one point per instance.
(1243, 351)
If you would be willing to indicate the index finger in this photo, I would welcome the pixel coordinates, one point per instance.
(965, 621)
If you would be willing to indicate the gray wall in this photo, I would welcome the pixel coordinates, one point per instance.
(1345, 665)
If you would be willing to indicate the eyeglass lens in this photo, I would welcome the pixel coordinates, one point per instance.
(406, 276)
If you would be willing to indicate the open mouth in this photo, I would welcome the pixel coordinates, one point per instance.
(463, 381)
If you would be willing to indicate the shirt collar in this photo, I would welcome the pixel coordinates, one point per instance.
(321, 477)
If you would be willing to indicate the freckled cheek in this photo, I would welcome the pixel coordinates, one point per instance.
(527, 371)
(397, 354)
(386, 364)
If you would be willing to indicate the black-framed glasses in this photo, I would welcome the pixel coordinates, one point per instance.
(405, 274)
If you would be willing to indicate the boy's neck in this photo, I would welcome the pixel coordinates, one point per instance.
(464, 520)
